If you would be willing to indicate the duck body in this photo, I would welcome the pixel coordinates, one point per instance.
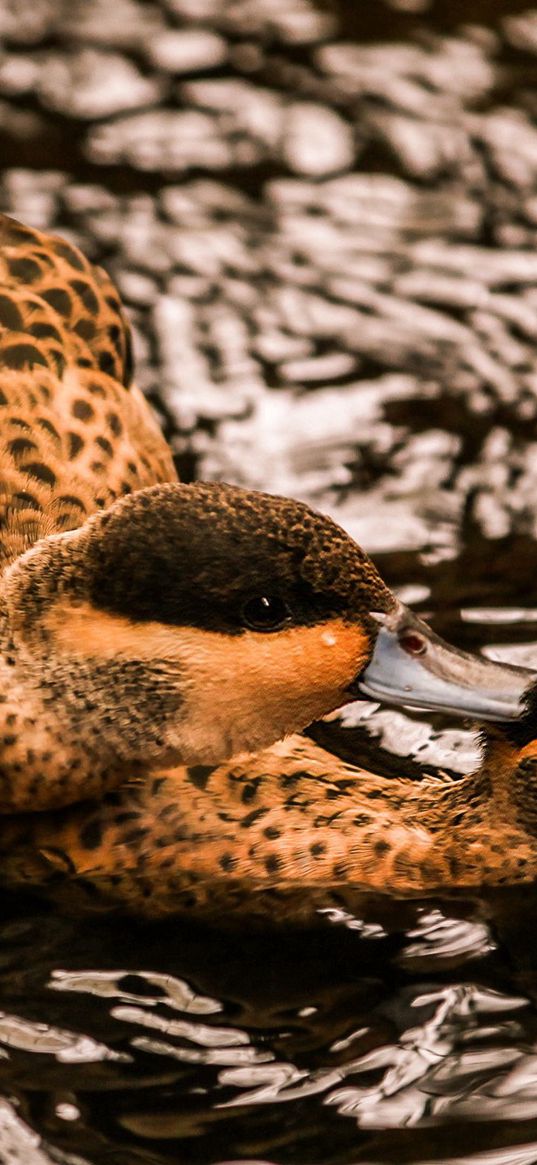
(161, 643)
(284, 836)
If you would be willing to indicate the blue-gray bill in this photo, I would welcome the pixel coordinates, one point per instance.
(412, 666)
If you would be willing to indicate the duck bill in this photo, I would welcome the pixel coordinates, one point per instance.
(412, 666)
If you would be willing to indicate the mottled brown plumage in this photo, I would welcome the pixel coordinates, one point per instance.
(74, 434)
(136, 657)
(124, 643)
(283, 835)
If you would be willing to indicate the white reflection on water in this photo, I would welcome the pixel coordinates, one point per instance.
(91, 84)
(499, 614)
(175, 993)
(426, 1076)
(209, 1056)
(67, 1047)
(177, 50)
(461, 1057)
(439, 937)
(339, 917)
(198, 1033)
(455, 749)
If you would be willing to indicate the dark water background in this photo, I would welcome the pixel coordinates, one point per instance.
(323, 219)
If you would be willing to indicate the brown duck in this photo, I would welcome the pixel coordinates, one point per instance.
(152, 632)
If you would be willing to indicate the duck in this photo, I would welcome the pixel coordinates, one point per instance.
(152, 631)
(146, 622)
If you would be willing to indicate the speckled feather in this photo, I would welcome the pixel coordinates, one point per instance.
(277, 837)
(75, 434)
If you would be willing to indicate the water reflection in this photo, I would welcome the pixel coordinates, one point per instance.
(67, 1047)
(343, 1020)
(323, 221)
(427, 1074)
(175, 993)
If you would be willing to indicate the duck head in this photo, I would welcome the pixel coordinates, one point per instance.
(191, 623)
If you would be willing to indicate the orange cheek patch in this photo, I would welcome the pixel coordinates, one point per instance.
(270, 683)
(254, 688)
(317, 662)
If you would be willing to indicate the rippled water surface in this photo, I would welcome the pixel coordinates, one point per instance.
(323, 220)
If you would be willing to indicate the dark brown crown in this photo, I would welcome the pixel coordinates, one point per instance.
(194, 554)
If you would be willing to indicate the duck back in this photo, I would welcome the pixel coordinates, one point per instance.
(75, 433)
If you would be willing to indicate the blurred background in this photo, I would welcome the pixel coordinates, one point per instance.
(322, 217)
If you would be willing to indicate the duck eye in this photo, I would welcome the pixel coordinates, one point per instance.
(265, 613)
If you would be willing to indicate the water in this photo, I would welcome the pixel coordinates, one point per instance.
(323, 221)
